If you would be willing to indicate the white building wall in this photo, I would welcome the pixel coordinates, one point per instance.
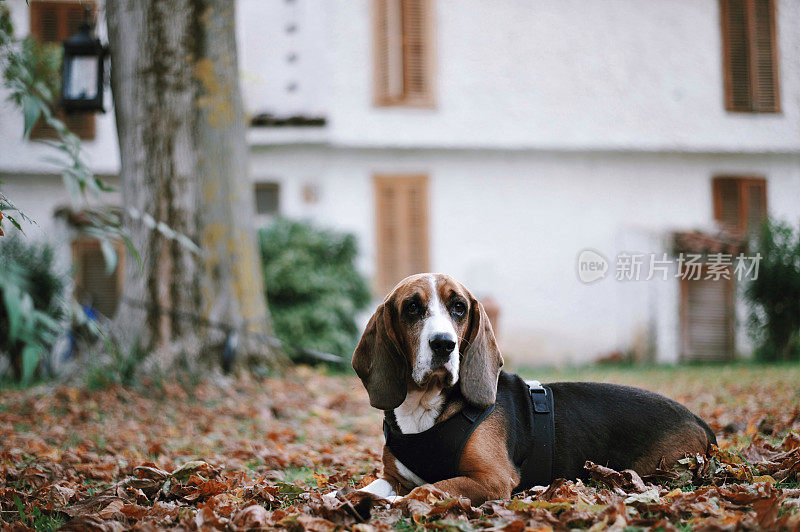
(567, 74)
(550, 74)
(285, 66)
(511, 225)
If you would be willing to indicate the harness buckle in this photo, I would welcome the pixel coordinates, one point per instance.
(539, 397)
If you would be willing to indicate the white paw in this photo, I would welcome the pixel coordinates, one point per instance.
(379, 487)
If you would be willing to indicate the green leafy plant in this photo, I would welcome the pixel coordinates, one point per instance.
(774, 296)
(6, 208)
(32, 303)
(314, 290)
(31, 73)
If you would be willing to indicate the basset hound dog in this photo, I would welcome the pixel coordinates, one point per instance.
(428, 358)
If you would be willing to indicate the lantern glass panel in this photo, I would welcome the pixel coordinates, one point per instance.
(82, 73)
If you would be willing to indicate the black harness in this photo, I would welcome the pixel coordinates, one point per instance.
(537, 468)
(434, 454)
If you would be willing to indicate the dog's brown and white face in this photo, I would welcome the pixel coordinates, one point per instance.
(430, 332)
(432, 312)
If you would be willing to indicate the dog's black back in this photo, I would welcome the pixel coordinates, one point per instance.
(621, 427)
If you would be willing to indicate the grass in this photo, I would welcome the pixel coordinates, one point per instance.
(661, 376)
(37, 519)
(302, 474)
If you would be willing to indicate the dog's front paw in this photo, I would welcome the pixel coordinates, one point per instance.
(421, 499)
(379, 487)
(428, 493)
(364, 501)
(333, 495)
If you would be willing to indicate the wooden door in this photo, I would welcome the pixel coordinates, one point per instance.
(707, 319)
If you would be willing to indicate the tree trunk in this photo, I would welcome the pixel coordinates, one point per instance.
(183, 152)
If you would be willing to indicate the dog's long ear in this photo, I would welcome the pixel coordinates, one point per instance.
(481, 362)
(379, 363)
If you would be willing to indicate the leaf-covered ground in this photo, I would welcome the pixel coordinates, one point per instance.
(259, 454)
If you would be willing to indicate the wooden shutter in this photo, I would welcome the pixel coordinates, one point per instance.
(765, 56)
(750, 55)
(55, 22)
(388, 52)
(401, 214)
(736, 54)
(80, 123)
(726, 203)
(754, 200)
(740, 203)
(707, 319)
(403, 52)
(93, 284)
(46, 23)
(416, 53)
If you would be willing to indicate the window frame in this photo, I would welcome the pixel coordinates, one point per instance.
(743, 182)
(276, 186)
(753, 105)
(426, 99)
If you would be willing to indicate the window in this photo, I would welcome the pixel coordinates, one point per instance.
(401, 215)
(403, 52)
(740, 203)
(80, 123)
(750, 56)
(54, 22)
(94, 286)
(267, 198)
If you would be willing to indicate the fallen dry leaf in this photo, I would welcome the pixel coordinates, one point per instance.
(253, 516)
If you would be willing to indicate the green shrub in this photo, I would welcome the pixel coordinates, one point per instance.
(313, 288)
(32, 303)
(774, 296)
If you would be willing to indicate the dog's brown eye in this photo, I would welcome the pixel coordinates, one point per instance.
(412, 309)
(458, 309)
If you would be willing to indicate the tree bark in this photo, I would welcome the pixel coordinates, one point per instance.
(183, 151)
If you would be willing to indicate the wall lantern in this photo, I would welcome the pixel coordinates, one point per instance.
(82, 72)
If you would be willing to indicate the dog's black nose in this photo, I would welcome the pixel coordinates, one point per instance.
(442, 344)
